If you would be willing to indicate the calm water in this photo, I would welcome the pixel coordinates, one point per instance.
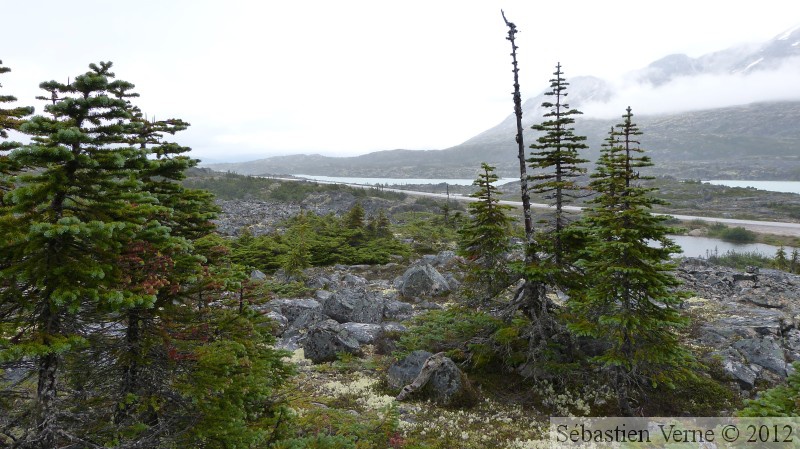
(397, 181)
(701, 246)
(773, 186)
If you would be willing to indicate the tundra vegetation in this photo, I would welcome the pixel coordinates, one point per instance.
(128, 321)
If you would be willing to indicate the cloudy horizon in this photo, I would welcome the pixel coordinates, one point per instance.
(258, 79)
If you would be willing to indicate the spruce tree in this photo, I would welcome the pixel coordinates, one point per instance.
(779, 401)
(780, 261)
(629, 301)
(382, 225)
(354, 225)
(69, 217)
(168, 271)
(555, 161)
(298, 257)
(484, 238)
(354, 219)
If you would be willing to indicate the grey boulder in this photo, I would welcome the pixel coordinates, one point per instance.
(423, 280)
(326, 339)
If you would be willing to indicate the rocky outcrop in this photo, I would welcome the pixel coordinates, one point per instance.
(750, 323)
(257, 275)
(358, 307)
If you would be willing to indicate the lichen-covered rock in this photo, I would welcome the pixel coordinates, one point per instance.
(326, 339)
(752, 327)
(764, 352)
(423, 280)
(354, 304)
(397, 310)
(305, 321)
(292, 308)
(405, 370)
(434, 377)
(364, 333)
(277, 322)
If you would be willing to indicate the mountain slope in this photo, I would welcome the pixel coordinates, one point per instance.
(753, 141)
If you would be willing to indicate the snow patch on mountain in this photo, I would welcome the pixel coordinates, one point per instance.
(787, 34)
(753, 64)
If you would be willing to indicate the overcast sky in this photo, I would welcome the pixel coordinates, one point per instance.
(263, 78)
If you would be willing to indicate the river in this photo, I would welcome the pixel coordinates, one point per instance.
(773, 186)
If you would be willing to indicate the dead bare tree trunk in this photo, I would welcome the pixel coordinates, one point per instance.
(531, 297)
(523, 167)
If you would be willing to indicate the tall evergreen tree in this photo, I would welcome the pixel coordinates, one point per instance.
(168, 271)
(484, 238)
(555, 160)
(629, 301)
(69, 217)
(96, 269)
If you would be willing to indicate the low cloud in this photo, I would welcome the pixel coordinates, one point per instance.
(701, 92)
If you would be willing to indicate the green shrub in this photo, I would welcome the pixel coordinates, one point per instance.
(324, 240)
(318, 442)
(466, 335)
(740, 260)
(733, 235)
(699, 395)
(783, 400)
(429, 232)
(738, 235)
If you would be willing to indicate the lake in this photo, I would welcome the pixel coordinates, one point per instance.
(773, 186)
(701, 246)
(397, 181)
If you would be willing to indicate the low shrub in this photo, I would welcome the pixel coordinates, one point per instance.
(740, 260)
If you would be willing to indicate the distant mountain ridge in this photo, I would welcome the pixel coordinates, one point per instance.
(753, 141)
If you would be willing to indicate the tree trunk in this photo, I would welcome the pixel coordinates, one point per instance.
(623, 401)
(47, 388)
(523, 167)
(131, 367)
